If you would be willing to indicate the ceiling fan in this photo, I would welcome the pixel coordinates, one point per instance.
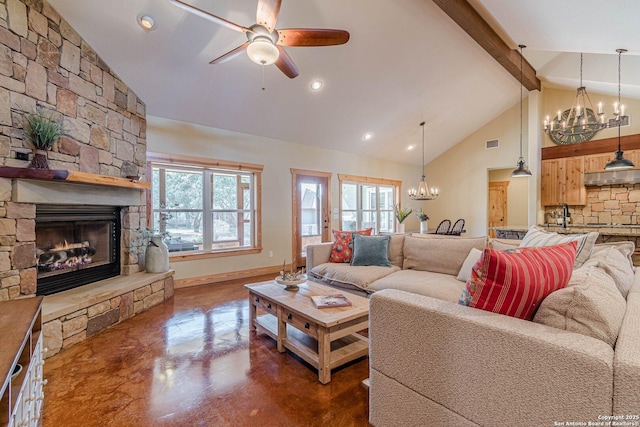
(264, 42)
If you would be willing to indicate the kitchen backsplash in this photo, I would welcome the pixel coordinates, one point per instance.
(610, 204)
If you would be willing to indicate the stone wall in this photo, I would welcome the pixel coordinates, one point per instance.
(45, 64)
(61, 332)
(609, 204)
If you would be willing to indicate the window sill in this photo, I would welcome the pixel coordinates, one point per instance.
(211, 254)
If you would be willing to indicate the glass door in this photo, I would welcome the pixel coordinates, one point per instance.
(311, 217)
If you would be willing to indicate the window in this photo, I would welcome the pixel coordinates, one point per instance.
(367, 202)
(205, 206)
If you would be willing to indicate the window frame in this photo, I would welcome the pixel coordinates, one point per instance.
(364, 180)
(212, 165)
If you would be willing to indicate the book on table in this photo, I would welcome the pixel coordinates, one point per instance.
(335, 300)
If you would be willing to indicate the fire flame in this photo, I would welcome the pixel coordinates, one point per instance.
(65, 245)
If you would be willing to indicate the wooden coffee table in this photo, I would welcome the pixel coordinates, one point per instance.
(325, 338)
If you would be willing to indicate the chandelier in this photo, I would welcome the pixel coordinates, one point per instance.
(581, 122)
(423, 192)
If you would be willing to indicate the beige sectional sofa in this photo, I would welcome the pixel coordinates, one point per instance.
(436, 363)
(426, 265)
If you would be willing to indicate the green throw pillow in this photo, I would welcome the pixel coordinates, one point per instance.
(371, 250)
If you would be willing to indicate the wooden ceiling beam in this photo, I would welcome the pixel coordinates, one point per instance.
(473, 24)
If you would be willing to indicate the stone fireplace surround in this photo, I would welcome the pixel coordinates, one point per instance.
(71, 316)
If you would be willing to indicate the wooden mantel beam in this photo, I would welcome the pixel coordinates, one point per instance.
(71, 176)
(473, 24)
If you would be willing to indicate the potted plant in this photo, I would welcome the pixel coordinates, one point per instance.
(423, 217)
(401, 214)
(42, 131)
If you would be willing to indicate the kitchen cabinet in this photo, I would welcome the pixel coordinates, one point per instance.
(562, 181)
(597, 162)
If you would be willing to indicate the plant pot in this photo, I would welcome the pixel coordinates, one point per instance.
(424, 227)
(39, 160)
(156, 256)
(401, 228)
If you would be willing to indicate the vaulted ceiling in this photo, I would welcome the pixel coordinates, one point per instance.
(406, 62)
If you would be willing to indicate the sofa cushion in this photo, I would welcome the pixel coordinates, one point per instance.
(342, 249)
(616, 265)
(347, 276)
(627, 248)
(435, 285)
(396, 256)
(514, 282)
(370, 250)
(536, 236)
(469, 262)
(441, 254)
(504, 244)
(589, 305)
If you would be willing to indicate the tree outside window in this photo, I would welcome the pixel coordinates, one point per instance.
(204, 209)
(367, 203)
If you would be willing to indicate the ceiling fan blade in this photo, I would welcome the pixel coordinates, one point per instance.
(231, 54)
(267, 13)
(311, 37)
(206, 15)
(286, 65)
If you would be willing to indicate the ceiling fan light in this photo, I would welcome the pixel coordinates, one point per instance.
(262, 51)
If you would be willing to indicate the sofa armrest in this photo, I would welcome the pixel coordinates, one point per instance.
(627, 359)
(488, 368)
(318, 254)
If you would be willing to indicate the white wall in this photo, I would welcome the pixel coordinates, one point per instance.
(278, 157)
(461, 174)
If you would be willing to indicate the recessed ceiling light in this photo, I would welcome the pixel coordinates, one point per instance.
(367, 136)
(316, 84)
(146, 22)
(411, 147)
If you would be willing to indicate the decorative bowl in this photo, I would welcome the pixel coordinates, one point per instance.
(291, 284)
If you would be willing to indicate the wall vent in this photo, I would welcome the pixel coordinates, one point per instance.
(491, 144)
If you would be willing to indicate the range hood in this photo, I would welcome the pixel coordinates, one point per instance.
(628, 176)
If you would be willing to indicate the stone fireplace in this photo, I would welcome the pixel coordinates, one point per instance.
(76, 245)
(100, 221)
(45, 64)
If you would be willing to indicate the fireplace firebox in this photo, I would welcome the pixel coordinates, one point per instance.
(76, 245)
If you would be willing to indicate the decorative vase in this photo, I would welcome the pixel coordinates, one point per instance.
(156, 256)
(424, 227)
(400, 228)
(39, 160)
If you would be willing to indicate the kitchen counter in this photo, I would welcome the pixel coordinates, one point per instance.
(603, 229)
(606, 233)
(510, 231)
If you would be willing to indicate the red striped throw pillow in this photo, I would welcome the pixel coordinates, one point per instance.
(514, 282)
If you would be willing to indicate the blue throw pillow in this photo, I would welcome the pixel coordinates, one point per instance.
(371, 250)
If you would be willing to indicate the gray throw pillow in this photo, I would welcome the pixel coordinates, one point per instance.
(370, 250)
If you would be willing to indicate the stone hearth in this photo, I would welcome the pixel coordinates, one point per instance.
(72, 316)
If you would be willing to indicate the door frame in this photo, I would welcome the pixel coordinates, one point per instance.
(296, 237)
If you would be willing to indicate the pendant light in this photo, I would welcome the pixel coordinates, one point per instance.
(423, 192)
(619, 162)
(522, 170)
